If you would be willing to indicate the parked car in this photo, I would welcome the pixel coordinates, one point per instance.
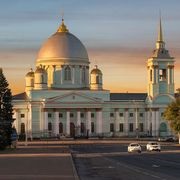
(168, 139)
(134, 147)
(153, 146)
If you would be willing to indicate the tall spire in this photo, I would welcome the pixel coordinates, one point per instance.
(160, 34)
(62, 27)
(160, 42)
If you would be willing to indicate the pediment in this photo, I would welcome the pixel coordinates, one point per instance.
(73, 97)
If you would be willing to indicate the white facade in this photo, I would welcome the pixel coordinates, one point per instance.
(60, 99)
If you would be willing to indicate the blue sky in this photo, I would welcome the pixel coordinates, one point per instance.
(118, 34)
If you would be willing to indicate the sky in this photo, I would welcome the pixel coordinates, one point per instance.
(119, 36)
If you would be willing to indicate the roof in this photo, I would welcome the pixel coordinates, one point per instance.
(127, 96)
(21, 96)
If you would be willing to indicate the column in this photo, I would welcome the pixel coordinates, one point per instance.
(88, 122)
(99, 122)
(153, 122)
(126, 123)
(148, 121)
(73, 75)
(117, 120)
(67, 122)
(157, 122)
(56, 123)
(136, 118)
(78, 122)
(30, 120)
(45, 120)
(62, 74)
(16, 123)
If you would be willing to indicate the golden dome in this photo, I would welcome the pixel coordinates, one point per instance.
(62, 46)
(96, 71)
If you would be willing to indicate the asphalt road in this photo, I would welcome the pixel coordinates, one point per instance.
(103, 162)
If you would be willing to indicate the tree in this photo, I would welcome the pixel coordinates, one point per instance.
(6, 112)
(172, 115)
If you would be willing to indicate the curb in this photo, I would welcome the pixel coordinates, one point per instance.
(76, 177)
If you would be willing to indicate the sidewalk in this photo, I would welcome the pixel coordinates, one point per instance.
(37, 160)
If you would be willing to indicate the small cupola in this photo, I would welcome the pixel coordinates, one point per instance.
(96, 79)
(40, 78)
(29, 80)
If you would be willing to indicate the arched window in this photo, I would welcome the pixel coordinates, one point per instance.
(97, 79)
(22, 128)
(67, 73)
(83, 75)
(49, 126)
(60, 128)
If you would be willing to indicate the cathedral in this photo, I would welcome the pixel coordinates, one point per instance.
(64, 97)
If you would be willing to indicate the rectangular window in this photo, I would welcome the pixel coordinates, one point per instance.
(130, 114)
(82, 115)
(71, 115)
(22, 115)
(141, 114)
(162, 114)
(92, 127)
(151, 75)
(111, 127)
(131, 127)
(121, 114)
(111, 114)
(141, 127)
(92, 115)
(49, 115)
(60, 115)
(121, 127)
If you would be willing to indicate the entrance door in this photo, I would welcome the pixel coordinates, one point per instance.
(72, 129)
(163, 129)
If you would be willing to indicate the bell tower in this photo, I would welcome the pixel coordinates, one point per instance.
(160, 69)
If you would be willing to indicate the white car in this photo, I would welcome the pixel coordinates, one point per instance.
(153, 146)
(134, 147)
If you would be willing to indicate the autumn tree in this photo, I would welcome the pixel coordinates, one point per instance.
(172, 115)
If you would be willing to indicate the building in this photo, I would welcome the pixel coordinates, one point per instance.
(62, 95)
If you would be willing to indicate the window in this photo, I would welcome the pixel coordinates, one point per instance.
(22, 115)
(60, 128)
(49, 115)
(22, 128)
(82, 128)
(151, 75)
(49, 126)
(92, 115)
(162, 74)
(162, 114)
(92, 127)
(131, 127)
(141, 127)
(130, 114)
(71, 115)
(121, 127)
(141, 114)
(83, 75)
(60, 115)
(111, 127)
(67, 73)
(111, 114)
(97, 79)
(121, 114)
(82, 115)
